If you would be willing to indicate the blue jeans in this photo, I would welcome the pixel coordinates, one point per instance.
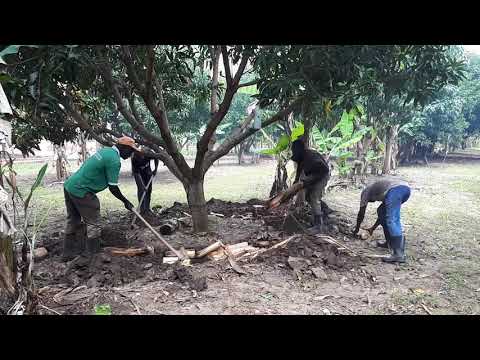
(394, 199)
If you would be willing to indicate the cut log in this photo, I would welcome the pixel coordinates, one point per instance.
(209, 249)
(285, 195)
(217, 255)
(130, 251)
(235, 250)
(169, 227)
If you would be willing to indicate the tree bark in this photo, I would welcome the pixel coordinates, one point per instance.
(391, 137)
(83, 148)
(7, 270)
(198, 205)
(60, 162)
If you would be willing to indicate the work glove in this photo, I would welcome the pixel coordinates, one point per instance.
(128, 205)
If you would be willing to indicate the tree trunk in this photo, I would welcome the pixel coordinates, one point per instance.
(240, 153)
(82, 152)
(198, 205)
(60, 162)
(391, 137)
(7, 268)
(281, 177)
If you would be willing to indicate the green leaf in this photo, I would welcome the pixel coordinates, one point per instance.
(360, 109)
(346, 124)
(356, 138)
(103, 310)
(36, 184)
(283, 143)
(12, 49)
(298, 131)
(269, 151)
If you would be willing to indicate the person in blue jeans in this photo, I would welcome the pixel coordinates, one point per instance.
(392, 194)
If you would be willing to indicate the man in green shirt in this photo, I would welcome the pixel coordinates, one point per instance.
(83, 207)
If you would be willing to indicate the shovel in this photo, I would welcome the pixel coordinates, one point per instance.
(178, 254)
(141, 200)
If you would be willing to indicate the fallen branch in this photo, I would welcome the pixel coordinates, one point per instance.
(426, 309)
(332, 241)
(232, 261)
(129, 299)
(47, 308)
(262, 251)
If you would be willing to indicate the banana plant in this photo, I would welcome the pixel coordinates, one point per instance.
(281, 151)
(336, 142)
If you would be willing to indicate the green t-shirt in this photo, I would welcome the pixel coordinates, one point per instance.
(96, 173)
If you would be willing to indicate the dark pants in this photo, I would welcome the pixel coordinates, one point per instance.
(80, 212)
(389, 212)
(314, 194)
(141, 179)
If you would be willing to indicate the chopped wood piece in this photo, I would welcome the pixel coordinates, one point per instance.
(170, 259)
(209, 249)
(130, 251)
(284, 195)
(190, 253)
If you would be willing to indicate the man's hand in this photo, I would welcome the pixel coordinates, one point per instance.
(128, 205)
(154, 173)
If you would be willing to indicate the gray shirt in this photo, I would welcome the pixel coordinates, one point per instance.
(378, 190)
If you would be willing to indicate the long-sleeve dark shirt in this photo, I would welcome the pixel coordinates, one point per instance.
(313, 165)
(141, 162)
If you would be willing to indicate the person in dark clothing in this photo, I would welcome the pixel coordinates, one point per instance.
(392, 194)
(315, 175)
(143, 174)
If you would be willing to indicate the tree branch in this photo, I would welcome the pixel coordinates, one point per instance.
(241, 69)
(249, 83)
(106, 72)
(81, 122)
(127, 59)
(159, 114)
(226, 65)
(237, 138)
(215, 53)
(149, 74)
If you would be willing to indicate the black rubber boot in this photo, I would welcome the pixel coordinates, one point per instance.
(397, 244)
(383, 245)
(317, 227)
(74, 244)
(69, 252)
(93, 246)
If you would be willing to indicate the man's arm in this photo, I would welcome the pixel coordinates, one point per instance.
(156, 167)
(298, 172)
(118, 194)
(360, 217)
(374, 226)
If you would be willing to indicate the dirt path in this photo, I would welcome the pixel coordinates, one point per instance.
(442, 275)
